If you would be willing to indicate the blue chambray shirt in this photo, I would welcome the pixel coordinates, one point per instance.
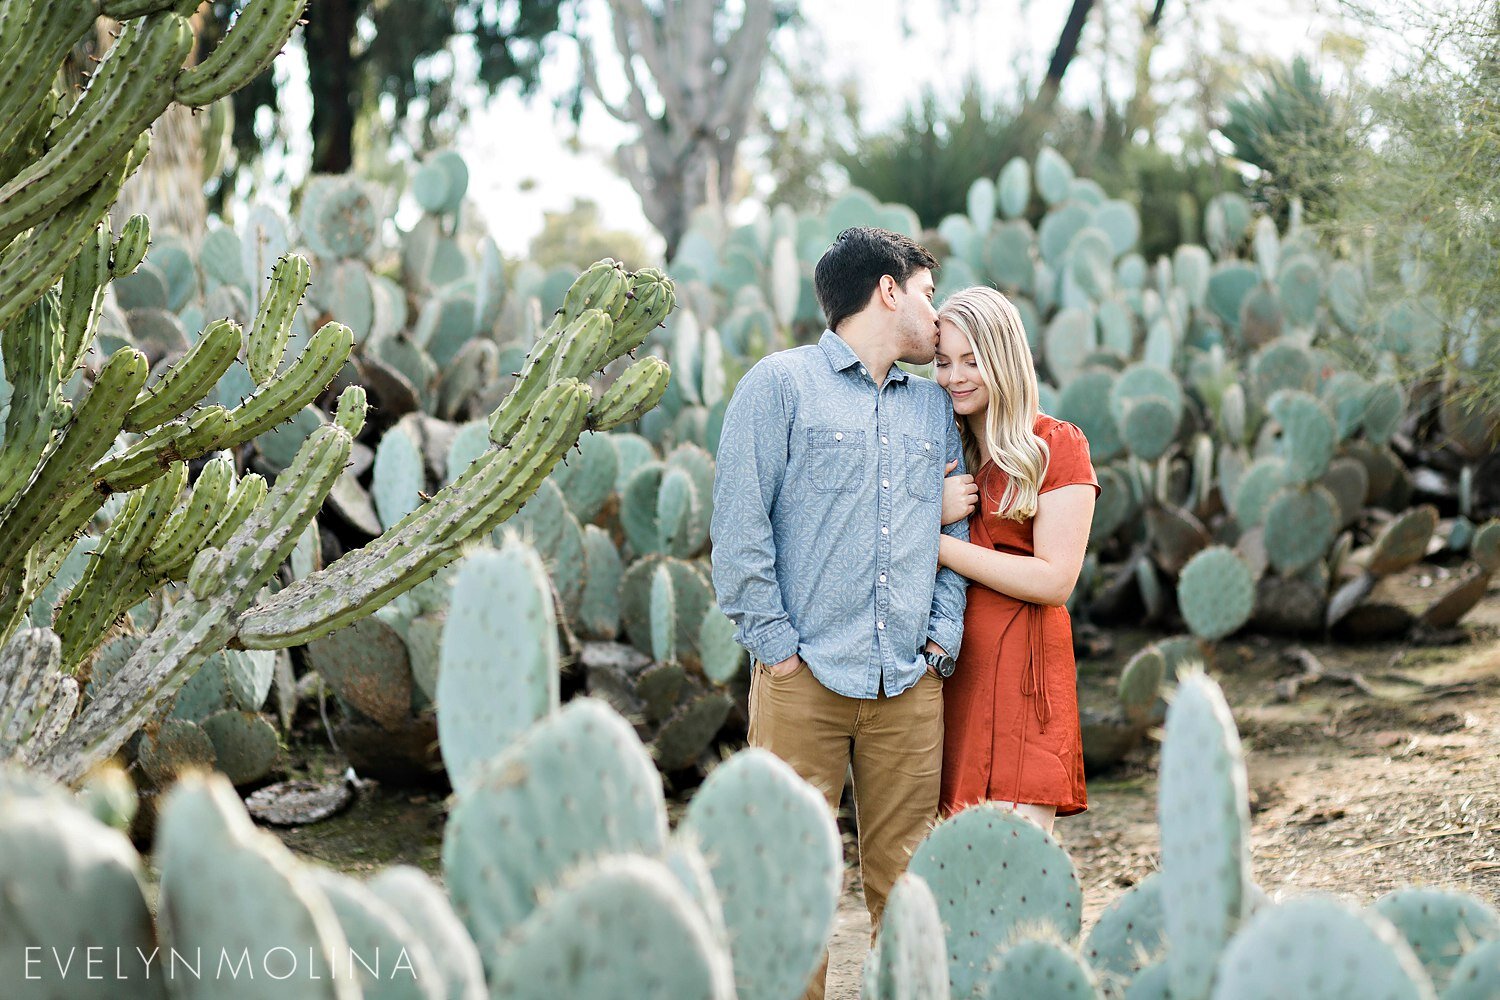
(827, 508)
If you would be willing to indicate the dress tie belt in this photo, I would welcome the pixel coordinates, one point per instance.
(1034, 678)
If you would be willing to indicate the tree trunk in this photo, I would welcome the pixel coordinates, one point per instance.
(1067, 48)
(331, 72)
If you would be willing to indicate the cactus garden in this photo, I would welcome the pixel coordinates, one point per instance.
(357, 624)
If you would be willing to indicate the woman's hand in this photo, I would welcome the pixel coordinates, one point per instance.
(960, 495)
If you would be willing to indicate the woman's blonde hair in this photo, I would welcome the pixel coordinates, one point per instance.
(1003, 357)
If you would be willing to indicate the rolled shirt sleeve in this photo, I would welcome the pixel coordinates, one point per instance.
(945, 625)
(750, 468)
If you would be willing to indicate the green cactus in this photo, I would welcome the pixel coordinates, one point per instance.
(51, 850)
(625, 927)
(1140, 684)
(613, 804)
(1127, 937)
(1477, 974)
(246, 745)
(1403, 540)
(1300, 527)
(1013, 187)
(778, 869)
(1308, 434)
(431, 918)
(1038, 967)
(1484, 548)
(501, 600)
(1441, 925)
(1054, 175)
(1257, 486)
(1321, 949)
(909, 960)
(993, 871)
(1203, 806)
(373, 927)
(207, 851)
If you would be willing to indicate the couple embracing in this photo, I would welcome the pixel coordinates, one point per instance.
(905, 623)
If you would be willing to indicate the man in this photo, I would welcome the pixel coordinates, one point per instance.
(827, 508)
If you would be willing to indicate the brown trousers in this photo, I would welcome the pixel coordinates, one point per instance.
(895, 746)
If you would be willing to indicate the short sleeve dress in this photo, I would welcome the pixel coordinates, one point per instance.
(1011, 706)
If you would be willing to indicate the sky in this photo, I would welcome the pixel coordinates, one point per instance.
(526, 158)
(516, 180)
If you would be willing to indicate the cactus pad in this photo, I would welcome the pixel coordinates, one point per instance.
(993, 871)
(577, 786)
(1320, 949)
(52, 852)
(246, 747)
(1403, 540)
(1203, 806)
(374, 928)
(1308, 434)
(499, 672)
(1037, 968)
(1216, 593)
(622, 928)
(1300, 527)
(1477, 975)
(411, 892)
(1441, 925)
(774, 853)
(208, 851)
(910, 961)
(1128, 934)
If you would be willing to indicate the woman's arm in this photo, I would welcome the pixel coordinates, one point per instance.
(1060, 533)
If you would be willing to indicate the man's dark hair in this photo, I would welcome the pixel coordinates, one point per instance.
(849, 271)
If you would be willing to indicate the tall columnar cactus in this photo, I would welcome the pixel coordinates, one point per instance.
(216, 537)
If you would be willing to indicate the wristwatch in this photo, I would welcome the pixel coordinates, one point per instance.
(941, 663)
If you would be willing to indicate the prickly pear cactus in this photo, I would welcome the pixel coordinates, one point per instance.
(992, 871)
(910, 957)
(411, 892)
(1203, 807)
(499, 672)
(1037, 968)
(624, 927)
(1477, 974)
(51, 851)
(774, 853)
(1321, 949)
(581, 778)
(1128, 935)
(1216, 593)
(208, 851)
(1441, 925)
(375, 928)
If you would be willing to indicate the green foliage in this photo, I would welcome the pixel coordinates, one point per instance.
(1297, 133)
(577, 234)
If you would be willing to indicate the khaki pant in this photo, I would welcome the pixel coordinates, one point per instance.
(895, 746)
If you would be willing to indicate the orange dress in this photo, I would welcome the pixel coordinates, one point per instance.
(1011, 707)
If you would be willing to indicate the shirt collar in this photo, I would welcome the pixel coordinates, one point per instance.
(841, 356)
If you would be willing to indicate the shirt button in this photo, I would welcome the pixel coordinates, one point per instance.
(927, 445)
(884, 530)
(884, 439)
(863, 372)
(885, 484)
(880, 625)
(838, 435)
(882, 578)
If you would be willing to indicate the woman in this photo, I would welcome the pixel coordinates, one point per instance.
(1011, 708)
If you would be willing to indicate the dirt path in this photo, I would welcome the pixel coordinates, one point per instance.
(1350, 794)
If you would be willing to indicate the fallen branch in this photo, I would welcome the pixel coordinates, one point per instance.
(1313, 671)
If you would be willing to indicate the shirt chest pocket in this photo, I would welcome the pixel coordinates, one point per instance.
(835, 459)
(924, 473)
